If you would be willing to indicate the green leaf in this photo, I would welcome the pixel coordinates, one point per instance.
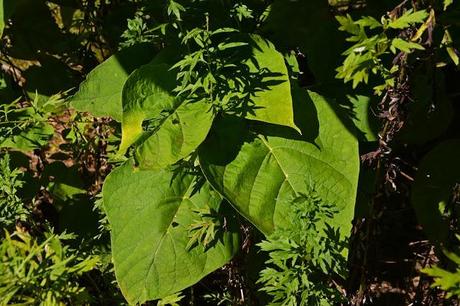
(408, 18)
(447, 3)
(261, 173)
(33, 137)
(273, 105)
(146, 94)
(453, 55)
(438, 173)
(404, 46)
(448, 43)
(6, 9)
(347, 24)
(2, 17)
(369, 21)
(100, 93)
(178, 135)
(175, 9)
(150, 213)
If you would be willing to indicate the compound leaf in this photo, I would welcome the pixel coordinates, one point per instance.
(408, 18)
(31, 138)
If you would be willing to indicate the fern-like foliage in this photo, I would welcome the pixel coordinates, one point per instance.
(446, 280)
(372, 41)
(42, 272)
(304, 259)
(12, 208)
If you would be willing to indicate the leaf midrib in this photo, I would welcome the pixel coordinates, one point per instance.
(150, 266)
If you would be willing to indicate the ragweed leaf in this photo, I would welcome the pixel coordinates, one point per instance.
(408, 19)
(404, 46)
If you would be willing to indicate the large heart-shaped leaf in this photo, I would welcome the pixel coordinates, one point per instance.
(263, 173)
(438, 173)
(150, 213)
(100, 93)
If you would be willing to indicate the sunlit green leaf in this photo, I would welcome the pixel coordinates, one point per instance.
(274, 104)
(404, 46)
(100, 94)
(408, 18)
(177, 135)
(261, 172)
(146, 95)
(6, 9)
(150, 213)
(31, 138)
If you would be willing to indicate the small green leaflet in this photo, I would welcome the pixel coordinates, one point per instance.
(447, 279)
(100, 93)
(175, 9)
(150, 213)
(404, 46)
(261, 172)
(408, 19)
